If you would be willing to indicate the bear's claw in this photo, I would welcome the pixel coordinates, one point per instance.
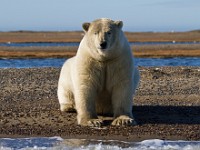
(124, 121)
(95, 122)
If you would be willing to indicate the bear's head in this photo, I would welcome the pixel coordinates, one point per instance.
(103, 37)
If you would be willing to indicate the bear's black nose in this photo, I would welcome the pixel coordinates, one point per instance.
(103, 45)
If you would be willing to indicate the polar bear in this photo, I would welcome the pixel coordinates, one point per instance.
(101, 78)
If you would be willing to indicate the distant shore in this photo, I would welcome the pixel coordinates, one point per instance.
(76, 36)
(166, 106)
(162, 50)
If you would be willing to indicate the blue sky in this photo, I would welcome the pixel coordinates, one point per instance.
(137, 15)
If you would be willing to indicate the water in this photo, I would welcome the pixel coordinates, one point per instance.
(55, 143)
(30, 44)
(31, 63)
(58, 62)
(174, 61)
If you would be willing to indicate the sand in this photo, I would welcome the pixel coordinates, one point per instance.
(167, 106)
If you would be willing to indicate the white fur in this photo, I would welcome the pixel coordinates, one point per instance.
(99, 81)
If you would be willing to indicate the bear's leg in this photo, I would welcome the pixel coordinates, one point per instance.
(85, 107)
(66, 99)
(122, 105)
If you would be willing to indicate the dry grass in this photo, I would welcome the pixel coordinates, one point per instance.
(163, 36)
(192, 50)
(77, 36)
(40, 37)
(167, 47)
(167, 50)
(37, 52)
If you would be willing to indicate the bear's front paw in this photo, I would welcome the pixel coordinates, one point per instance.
(124, 121)
(91, 122)
(95, 122)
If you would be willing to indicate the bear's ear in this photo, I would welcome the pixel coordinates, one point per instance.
(86, 26)
(119, 24)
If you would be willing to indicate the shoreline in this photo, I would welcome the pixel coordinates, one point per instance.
(166, 106)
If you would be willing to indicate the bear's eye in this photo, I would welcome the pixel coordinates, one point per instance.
(95, 33)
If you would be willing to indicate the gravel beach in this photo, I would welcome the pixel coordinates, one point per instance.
(167, 106)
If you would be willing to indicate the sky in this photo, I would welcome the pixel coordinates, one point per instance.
(68, 15)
